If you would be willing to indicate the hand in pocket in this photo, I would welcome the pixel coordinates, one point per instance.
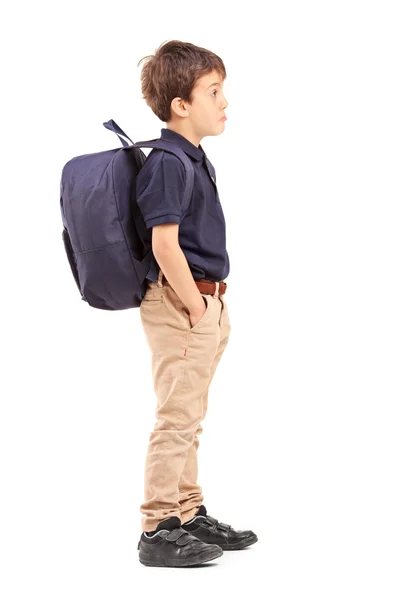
(194, 318)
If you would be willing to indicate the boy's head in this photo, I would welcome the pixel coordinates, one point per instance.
(183, 85)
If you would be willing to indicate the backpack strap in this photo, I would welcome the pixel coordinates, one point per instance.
(169, 147)
(161, 145)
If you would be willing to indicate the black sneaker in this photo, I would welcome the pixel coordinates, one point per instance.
(174, 547)
(209, 530)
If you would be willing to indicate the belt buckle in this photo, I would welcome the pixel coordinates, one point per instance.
(216, 293)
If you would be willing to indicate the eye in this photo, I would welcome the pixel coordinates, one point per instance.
(214, 91)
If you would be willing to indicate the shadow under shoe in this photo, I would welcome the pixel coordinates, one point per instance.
(175, 547)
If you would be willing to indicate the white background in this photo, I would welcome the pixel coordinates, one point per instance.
(301, 440)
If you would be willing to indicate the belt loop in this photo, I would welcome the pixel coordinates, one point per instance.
(159, 280)
(216, 294)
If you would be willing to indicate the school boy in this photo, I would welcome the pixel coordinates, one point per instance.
(184, 311)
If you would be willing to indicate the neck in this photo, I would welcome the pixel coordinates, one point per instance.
(186, 131)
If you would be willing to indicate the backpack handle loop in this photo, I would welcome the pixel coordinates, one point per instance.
(112, 126)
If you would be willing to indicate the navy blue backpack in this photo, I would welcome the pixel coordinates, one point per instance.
(99, 214)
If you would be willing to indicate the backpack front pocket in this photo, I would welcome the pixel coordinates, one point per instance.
(71, 256)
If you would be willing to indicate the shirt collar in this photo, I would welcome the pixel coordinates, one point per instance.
(183, 143)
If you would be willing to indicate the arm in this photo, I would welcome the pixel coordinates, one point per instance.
(173, 263)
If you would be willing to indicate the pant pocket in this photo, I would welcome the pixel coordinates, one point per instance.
(153, 296)
(203, 319)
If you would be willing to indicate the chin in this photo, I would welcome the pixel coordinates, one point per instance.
(220, 129)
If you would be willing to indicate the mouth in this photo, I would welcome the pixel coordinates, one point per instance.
(223, 118)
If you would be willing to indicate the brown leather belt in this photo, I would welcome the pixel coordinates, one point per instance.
(205, 286)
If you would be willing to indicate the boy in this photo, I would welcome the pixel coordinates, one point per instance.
(184, 312)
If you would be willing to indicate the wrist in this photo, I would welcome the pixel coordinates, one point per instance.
(199, 310)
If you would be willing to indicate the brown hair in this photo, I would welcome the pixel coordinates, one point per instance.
(173, 72)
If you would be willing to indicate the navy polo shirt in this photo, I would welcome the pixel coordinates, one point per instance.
(159, 195)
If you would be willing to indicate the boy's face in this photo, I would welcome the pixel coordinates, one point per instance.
(203, 115)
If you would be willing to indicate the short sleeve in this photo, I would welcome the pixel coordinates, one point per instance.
(160, 186)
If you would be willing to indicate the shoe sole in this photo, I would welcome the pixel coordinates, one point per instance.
(183, 562)
(241, 544)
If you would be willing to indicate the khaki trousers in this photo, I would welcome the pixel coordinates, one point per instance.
(184, 360)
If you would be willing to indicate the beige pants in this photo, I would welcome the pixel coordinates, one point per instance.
(184, 360)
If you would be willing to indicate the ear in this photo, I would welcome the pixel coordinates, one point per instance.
(179, 107)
